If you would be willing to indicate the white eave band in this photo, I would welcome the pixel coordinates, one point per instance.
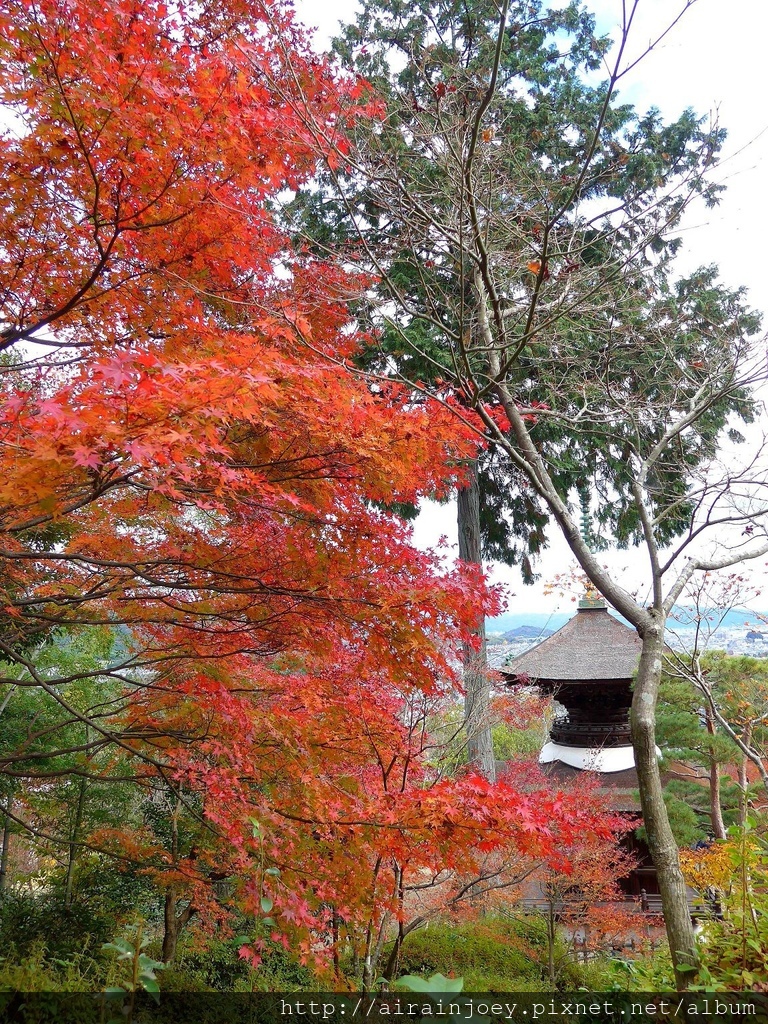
(593, 759)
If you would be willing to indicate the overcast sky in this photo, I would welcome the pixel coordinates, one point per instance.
(714, 61)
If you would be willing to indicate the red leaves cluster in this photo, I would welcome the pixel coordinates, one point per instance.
(185, 457)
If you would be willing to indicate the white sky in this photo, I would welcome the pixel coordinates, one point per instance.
(714, 61)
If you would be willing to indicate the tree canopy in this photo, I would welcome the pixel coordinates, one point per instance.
(199, 494)
(522, 221)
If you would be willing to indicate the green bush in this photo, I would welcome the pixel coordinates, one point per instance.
(651, 973)
(210, 964)
(498, 955)
(598, 975)
(37, 971)
(734, 949)
(510, 743)
(491, 955)
(118, 894)
(32, 921)
(214, 965)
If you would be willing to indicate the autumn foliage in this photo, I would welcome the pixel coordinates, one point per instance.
(188, 461)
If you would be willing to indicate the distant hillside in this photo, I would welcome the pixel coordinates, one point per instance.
(527, 633)
(543, 623)
(535, 620)
(683, 618)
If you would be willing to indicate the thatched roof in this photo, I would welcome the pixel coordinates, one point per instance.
(590, 647)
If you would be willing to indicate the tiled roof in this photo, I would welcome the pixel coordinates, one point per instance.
(591, 646)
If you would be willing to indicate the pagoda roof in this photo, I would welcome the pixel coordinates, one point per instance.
(590, 647)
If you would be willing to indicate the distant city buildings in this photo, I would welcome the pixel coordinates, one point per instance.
(735, 640)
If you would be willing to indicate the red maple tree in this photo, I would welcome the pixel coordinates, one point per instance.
(185, 459)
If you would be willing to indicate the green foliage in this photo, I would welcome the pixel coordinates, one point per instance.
(110, 893)
(38, 971)
(687, 810)
(429, 59)
(491, 955)
(437, 983)
(510, 743)
(740, 684)
(208, 964)
(34, 921)
(734, 949)
(683, 736)
(593, 976)
(45, 740)
(139, 970)
(681, 727)
(649, 973)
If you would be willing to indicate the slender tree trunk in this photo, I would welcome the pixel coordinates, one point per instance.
(393, 961)
(170, 929)
(378, 948)
(335, 941)
(367, 978)
(715, 803)
(551, 935)
(6, 844)
(477, 698)
(743, 778)
(368, 955)
(663, 847)
(73, 841)
(718, 825)
(174, 920)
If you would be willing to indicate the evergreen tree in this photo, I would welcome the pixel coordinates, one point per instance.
(520, 219)
(559, 188)
(702, 801)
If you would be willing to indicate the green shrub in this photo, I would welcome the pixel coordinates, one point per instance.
(651, 973)
(499, 955)
(37, 971)
(734, 949)
(510, 743)
(214, 965)
(491, 955)
(598, 975)
(118, 894)
(35, 920)
(210, 964)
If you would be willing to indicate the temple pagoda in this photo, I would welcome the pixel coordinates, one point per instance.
(588, 667)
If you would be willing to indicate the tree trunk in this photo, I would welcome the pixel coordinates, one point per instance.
(73, 841)
(368, 958)
(173, 922)
(661, 842)
(393, 962)
(477, 698)
(743, 776)
(715, 805)
(718, 825)
(170, 929)
(335, 940)
(551, 936)
(6, 845)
